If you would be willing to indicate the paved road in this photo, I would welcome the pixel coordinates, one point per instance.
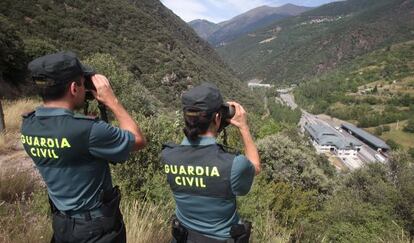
(365, 155)
(289, 99)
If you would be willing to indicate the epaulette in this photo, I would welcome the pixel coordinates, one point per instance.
(26, 115)
(169, 145)
(229, 149)
(84, 117)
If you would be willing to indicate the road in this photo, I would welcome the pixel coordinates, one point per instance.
(289, 99)
(365, 155)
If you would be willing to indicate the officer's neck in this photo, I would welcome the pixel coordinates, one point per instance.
(59, 104)
(209, 133)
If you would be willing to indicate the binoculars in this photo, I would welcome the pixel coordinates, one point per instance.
(89, 86)
(227, 112)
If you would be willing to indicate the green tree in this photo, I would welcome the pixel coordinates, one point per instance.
(363, 209)
(35, 47)
(13, 60)
(131, 92)
(402, 173)
(287, 158)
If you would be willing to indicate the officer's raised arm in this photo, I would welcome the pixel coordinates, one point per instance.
(240, 121)
(105, 95)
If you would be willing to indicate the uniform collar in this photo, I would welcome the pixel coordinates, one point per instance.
(46, 111)
(200, 141)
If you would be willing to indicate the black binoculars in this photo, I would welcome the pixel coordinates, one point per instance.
(227, 112)
(89, 86)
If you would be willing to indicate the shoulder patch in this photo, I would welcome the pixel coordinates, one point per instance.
(26, 115)
(84, 117)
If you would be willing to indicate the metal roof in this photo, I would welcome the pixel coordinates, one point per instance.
(366, 136)
(326, 135)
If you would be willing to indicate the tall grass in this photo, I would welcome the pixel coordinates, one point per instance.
(24, 213)
(13, 111)
(21, 219)
(147, 222)
(267, 229)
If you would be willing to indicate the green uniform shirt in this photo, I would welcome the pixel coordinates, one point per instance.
(75, 185)
(214, 216)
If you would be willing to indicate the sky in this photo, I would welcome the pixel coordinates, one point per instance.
(220, 10)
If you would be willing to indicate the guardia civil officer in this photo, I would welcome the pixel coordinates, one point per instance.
(72, 151)
(204, 177)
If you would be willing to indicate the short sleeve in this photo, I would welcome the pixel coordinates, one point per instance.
(110, 143)
(242, 175)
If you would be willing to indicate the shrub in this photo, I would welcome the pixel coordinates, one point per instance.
(410, 126)
(133, 95)
(35, 48)
(411, 152)
(378, 131)
(393, 145)
(143, 164)
(286, 158)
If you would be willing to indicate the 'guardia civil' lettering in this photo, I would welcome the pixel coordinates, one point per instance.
(44, 147)
(191, 176)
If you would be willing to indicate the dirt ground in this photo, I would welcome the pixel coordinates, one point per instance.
(17, 161)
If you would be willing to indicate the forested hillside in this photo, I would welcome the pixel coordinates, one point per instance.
(161, 52)
(375, 91)
(151, 56)
(252, 20)
(203, 27)
(298, 48)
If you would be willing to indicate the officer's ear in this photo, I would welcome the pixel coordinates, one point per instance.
(73, 88)
(217, 119)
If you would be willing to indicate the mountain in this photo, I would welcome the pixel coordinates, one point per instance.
(374, 89)
(203, 27)
(298, 48)
(251, 20)
(164, 55)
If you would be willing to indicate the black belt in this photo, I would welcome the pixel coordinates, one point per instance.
(110, 207)
(87, 215)
(240, 233)
(197, 237)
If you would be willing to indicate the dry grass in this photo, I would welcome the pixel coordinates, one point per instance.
(15, 184)
(397, 134)
(147, 222)
(24, 213)
(20, 219)
(13, 111)
(267, 230)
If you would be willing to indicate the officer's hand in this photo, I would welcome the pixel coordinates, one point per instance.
(103, 91)
(240, 117)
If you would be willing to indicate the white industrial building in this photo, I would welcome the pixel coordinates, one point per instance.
(326, 139)
(259, 85)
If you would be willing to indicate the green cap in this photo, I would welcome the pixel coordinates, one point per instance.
(58, 68)
(205, 97)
